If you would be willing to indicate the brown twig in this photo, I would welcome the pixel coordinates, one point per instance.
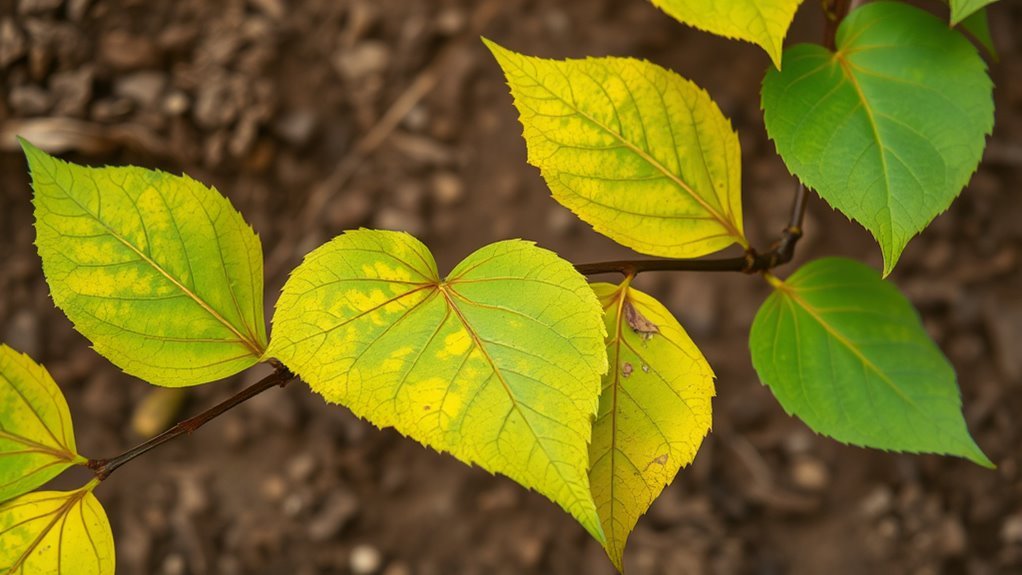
(279, 378)
(783, 250)
(834, 12)
(780, 253)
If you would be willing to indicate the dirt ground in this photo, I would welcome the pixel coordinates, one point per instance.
(283, 107)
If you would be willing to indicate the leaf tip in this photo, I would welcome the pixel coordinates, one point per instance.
(32, 153)
(499, 52)
(976, 455)
(776, 53)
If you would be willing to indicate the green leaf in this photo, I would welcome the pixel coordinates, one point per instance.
(639, 152)
(56, 533)
(888, 129)
(962, 9)
(762, 22)
(978, 26)
(499, 364)
(37, 440)
(654, 410)
(159, 271)
(845, 352)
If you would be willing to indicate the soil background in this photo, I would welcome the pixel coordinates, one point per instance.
(283, 107)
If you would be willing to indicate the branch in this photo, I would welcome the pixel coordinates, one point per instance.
(835, 11)
(783, 250)
(780, 253)
(279, 378)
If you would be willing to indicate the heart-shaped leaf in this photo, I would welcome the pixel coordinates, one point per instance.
(37, 440)
(889, 128)
(499, 364)
(654, 410)
(639, 152)
(56, 533)
(159, 271)
(762, 22)
(845, 352)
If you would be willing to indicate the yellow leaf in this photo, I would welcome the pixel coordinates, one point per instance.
(637, 151)
(37, 440)
(158, 271)
(56, 533)
(499, 364)
(654, 410)
(762, 22)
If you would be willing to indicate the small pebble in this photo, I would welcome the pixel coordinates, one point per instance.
(447, 189)
(1011, 530)
(363, 60)
(273, 488)
(293, 505)
(338, 510)
(22, 333)
(301, 467)
(365, 560)
(810, 474)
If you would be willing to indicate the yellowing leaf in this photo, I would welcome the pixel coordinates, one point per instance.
(638, 152)
(762, 22)
(654, 410)
(499, 364)
(37, 441)
(56, 533)
(159, 271)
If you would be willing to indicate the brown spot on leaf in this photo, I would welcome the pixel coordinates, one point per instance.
(626, 369)
(639, 323)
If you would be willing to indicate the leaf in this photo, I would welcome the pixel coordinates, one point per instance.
(56, 533)
(762, 22)
(37, 440)
(888, 129)
(499, 364)
(640, 153)
(962, 9)
(159, 271)
(845, 352)
(978, 26)
(654, 410)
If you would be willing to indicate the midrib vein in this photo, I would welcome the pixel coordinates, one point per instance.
(726, 223)
(846, 69)
(507, 388)
(254, 347)
(840, 337)
(36, 446)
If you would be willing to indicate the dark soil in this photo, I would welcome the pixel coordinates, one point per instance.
(273, 103)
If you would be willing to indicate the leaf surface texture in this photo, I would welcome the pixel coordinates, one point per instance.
(762, 22)
(37, 440)
(499, 364)
(888, 129)
(55, 533)
(158, 271)
(654, 412)
(845, 352)
(637, 151)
